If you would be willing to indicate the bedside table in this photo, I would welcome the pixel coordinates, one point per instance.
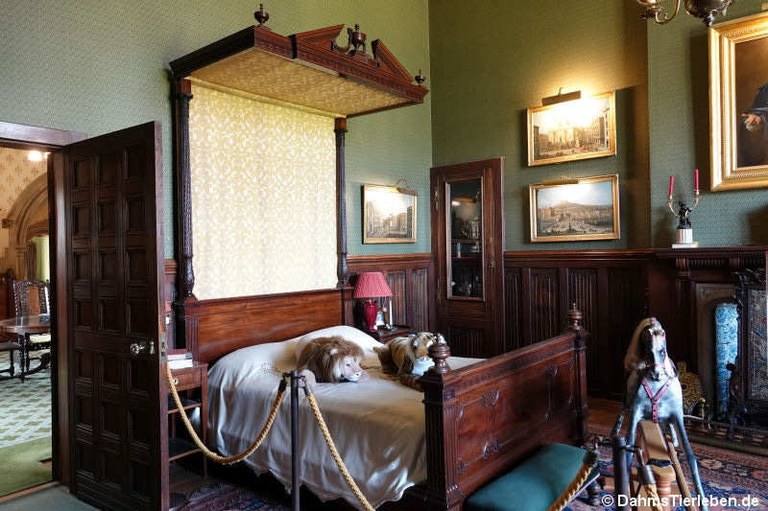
(384, 335)
(192, 385)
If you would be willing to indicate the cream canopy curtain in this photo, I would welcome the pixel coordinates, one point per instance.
(263, 196)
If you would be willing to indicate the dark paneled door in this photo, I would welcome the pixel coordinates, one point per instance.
(468, 243)
(112, 234)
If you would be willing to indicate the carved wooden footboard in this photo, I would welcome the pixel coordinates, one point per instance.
(484, 418)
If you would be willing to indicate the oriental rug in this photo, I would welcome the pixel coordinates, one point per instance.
(737, 481)
(731, 480)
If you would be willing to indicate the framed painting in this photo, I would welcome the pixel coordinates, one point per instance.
(582, 209)
(389, 214)
(572, 130)
(738, 99)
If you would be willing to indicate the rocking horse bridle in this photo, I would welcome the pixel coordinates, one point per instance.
(652, 371)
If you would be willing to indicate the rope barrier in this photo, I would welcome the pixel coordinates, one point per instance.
(335, 453)
(589, 463)
(226, 460)
(653, 496)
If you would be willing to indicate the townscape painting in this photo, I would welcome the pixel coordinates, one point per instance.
(575, 210)
(389, 214)
(572, 130)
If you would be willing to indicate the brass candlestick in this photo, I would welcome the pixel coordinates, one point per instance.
(684, 232)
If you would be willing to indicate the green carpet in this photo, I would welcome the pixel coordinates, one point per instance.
(24, 465)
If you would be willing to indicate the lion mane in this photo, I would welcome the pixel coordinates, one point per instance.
(330, 359)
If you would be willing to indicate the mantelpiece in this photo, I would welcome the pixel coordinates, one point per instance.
(308, 71)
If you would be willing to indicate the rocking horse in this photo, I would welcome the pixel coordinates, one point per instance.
(653, 392)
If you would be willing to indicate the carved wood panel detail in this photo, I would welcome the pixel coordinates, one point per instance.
(544, 307)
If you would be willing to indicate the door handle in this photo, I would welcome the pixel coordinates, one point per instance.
(137, 348)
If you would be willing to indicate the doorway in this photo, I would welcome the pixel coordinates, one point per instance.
(25, 392)
(30, 407)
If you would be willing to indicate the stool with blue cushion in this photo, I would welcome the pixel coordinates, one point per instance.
(535, 484)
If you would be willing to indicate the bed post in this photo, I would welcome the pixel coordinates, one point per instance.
(442, 489)
(575, 317)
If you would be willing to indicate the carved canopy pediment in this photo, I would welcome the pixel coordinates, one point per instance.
(308, 69)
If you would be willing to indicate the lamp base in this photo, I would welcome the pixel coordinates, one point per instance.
(370, 310)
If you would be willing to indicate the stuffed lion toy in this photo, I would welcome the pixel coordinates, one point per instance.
(330, 359)
(408, 356)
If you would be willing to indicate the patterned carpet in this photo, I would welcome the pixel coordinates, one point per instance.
(26, 407)
(732, 480)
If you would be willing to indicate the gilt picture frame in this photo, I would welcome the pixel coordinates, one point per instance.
(572, 130)
(389, 214)
(738, 101)
(583, 209)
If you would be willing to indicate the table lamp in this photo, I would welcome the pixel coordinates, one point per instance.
(370, 285)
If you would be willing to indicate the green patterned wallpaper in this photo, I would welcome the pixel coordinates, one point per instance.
(96, 66)
(679, 138)
(490, 66)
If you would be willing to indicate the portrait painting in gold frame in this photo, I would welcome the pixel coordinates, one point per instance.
(738, 96)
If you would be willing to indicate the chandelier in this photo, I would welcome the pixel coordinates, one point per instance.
(704, 9)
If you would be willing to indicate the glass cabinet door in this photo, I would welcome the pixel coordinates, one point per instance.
(465, 225)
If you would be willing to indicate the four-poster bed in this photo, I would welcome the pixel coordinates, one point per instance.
(480, 419)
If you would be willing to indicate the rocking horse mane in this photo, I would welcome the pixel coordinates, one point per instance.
(636, 357)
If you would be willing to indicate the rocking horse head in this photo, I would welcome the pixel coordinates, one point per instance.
(647, 351)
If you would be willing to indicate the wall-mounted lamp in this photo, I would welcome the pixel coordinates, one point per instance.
(560, 97)
(704, 9)
(370, 285)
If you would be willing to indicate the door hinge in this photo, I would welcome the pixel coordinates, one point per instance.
(436, 198)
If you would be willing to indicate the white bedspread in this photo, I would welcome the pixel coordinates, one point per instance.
(377, 424)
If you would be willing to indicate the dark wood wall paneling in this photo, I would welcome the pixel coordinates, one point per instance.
(409, 276)
(609, 287)
(613, 289)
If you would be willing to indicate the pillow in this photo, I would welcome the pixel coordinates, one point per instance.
(278, 355)
(365, 341)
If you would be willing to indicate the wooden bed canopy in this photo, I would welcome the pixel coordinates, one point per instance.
(297, 71)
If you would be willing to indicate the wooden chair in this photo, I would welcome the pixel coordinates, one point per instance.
(9, 345)
(31, 298)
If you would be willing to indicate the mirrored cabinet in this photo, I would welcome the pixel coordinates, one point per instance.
(465, 226)
(468, 244)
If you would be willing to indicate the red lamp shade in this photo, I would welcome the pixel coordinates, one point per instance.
(370, 285)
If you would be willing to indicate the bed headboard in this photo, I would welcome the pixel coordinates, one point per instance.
(224, 325)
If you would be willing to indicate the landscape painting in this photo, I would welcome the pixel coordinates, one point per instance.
(575, 210)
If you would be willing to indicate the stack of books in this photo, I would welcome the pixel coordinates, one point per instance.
(179, 360)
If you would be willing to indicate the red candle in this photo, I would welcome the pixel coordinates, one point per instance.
(696, 180)
(671, 185)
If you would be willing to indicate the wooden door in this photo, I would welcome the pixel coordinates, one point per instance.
(112, 201)
(468, 244)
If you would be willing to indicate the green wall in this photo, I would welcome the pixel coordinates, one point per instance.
(491, 65)
(679, 137)
(95, 66)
